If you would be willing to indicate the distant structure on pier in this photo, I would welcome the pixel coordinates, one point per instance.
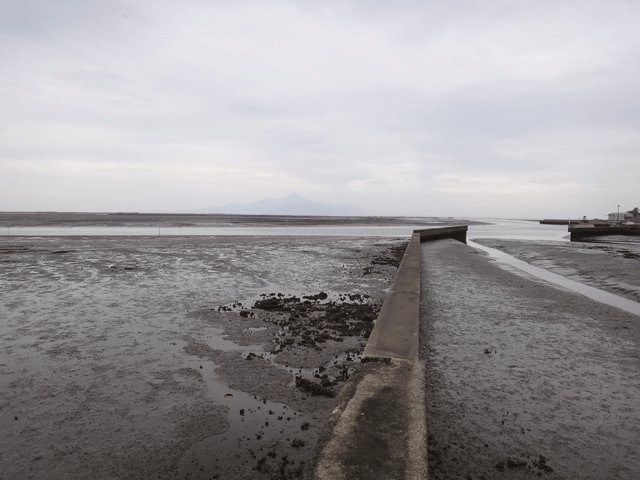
(625, 223)
(630, 216)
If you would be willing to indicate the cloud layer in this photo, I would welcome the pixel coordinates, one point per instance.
(520, 109)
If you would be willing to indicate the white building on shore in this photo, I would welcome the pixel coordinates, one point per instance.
(624, 216)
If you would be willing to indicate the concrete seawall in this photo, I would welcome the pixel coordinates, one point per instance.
(582, 232)
(559, 221)
(378, 428)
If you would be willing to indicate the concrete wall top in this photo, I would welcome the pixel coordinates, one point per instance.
(378, 430)
(395, 334)
(458, 232)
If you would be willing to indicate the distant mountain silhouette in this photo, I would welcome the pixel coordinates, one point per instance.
(293, 204)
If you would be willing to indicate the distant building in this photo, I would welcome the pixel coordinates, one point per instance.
(619, 217)
(624, 216)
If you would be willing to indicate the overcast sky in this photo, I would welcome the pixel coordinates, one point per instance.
(518, 109)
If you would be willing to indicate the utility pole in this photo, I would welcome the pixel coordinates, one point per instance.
(618, 217)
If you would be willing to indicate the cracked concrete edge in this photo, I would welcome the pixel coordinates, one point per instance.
(378, 428)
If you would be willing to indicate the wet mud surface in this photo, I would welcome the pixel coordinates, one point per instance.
(614, 268)
(123, 219)
(525, 379)
(179, 357)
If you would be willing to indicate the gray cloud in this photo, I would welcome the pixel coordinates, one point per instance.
(439, 108)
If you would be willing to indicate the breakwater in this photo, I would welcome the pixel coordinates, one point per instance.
(583, 232)
(558, 221)
(378, 428)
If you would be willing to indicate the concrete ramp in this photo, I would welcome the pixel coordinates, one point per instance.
(395, 334)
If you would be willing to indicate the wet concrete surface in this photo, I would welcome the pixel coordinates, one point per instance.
(142, 357)
(525, 379)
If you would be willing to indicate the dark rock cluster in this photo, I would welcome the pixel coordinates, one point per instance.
(311, 322)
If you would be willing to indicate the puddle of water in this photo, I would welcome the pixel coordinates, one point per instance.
(256, 426)
(255, 329)
(591, 292)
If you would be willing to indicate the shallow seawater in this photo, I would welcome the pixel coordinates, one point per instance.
(546, 275)
(608, 267)
(518, 229)
(294, 231)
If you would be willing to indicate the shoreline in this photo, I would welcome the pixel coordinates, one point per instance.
(177, 220)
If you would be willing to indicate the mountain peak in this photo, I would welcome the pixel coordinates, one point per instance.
(293, 204)
(295, 197)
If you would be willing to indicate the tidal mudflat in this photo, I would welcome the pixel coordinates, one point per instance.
(525, 379)
(612, 267)
(178, 357)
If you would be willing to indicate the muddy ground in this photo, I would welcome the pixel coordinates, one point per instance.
(9, 220)
(524, 379)
(614, 268)
(178, 357)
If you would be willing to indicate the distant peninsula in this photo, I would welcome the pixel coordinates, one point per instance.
(293, 204)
